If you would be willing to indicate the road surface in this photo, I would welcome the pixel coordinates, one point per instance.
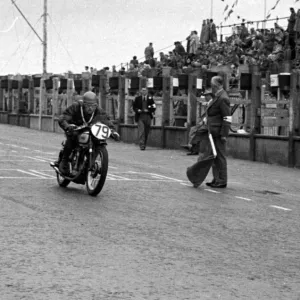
(149, 234)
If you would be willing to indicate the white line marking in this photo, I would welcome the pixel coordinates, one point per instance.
(110, 178)
(212, 191)
(40, 173)
(280, 207)
(14, 151)
(24, 148)
(112, 167)
(39, 176)
(118, 177)
(247, 199)
(161, 176)
(182, 183)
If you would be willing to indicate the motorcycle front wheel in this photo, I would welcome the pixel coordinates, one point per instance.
(96, 177)
(62, 181)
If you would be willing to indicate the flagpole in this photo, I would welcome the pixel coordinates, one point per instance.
(265, 15)
(211, 9)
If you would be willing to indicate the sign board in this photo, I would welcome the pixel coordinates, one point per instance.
(274, 80)
(175, 82)
(199, 83)
(150, 83)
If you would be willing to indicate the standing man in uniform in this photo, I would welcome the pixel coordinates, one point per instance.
(144, 107)
(218, 122)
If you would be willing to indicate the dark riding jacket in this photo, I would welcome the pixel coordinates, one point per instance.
(72, 115)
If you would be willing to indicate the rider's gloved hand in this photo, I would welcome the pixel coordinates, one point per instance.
(70, 129)
(115, 136)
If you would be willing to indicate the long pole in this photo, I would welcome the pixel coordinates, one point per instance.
(211, 9)
(45, 39)
(265, 15)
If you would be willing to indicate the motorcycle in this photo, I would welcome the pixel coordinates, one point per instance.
(89, 160)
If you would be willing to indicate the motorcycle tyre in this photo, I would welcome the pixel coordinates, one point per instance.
(62, 182)
(104, 168)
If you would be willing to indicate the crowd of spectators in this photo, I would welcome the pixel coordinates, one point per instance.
(245, 46)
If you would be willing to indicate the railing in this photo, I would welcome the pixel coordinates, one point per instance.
(258, 107)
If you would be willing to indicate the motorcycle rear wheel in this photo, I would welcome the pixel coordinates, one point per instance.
(95, 178)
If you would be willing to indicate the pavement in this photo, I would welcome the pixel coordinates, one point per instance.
(149, 234)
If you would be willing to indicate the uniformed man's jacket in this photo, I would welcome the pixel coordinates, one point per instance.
(138, 104)
(219, 115)
(72, 115)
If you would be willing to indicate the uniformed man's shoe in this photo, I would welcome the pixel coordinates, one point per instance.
(218, 185)
(192, 153)
(142, 147)
(210, 183)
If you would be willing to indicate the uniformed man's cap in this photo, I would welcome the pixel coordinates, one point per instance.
(208, 92)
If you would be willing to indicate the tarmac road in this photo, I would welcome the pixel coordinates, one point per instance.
(149, 234)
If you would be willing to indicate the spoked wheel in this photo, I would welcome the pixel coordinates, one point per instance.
(96, 177)
(62, 181)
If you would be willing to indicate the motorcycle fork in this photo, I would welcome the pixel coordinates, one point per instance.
(90, 154)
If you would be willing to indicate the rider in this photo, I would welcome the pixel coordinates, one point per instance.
(84, 111)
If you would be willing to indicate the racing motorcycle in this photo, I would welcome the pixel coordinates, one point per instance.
(89, 160)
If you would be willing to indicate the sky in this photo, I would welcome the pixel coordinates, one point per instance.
(100, 33)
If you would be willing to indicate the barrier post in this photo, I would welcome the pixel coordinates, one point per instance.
(1, 98)
(121, 98)
(9, 96)
(165, 121)
(54, 101)
(102, 91)
(70, 91)
(192, 101)
(171, 103)
(31, 101)
(41, 101)
(293, 114)
(191, 104)
(256, 94)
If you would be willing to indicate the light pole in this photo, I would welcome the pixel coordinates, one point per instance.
(211, 9)
(45, 39)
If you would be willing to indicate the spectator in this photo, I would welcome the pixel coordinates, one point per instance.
(291, 21)
(162, 58)
(202, 34)
(188, 45)
(213, 31)
(234, 77)
(278, 32)
(134, 61)
(114, 71)
(277, 53)
(179, 49)
(207, 32)
(122, 71)
(194, 42)
(297, 24)
(243, 32)
(149, 51)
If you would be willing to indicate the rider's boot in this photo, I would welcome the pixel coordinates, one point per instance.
(64, 167)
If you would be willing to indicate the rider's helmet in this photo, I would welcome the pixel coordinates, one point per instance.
(90, 98)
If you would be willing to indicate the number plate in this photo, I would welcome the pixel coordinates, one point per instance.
(101, 131)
